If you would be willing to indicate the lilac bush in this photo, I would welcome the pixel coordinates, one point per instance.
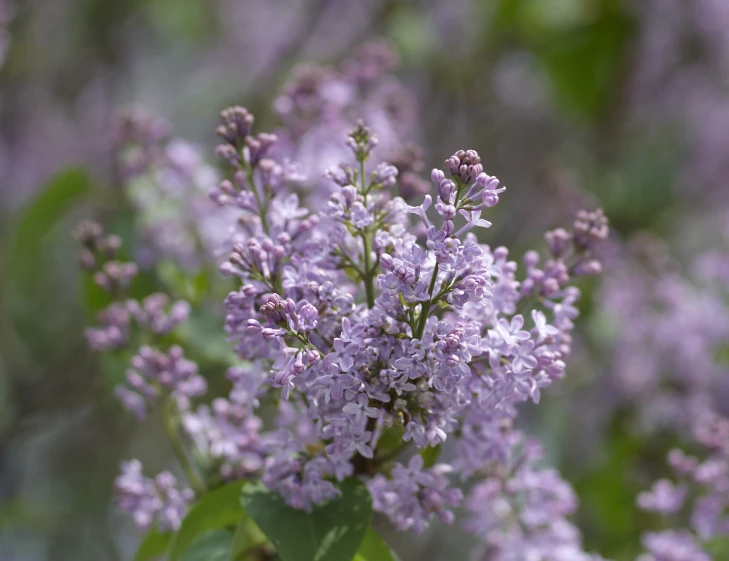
(368, 332)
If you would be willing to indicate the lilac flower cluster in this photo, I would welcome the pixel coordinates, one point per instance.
(154, 377)
(706, 482)
(154, 373)
(154, 313)
(226, 438)
(413, 495)
(431, 345)
(373, 339)
(167, 179)
(519, 511)
(148, 500)
(671, 338)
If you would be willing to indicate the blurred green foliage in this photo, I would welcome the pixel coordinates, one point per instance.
(581, 44)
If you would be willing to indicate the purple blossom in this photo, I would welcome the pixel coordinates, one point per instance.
(227, 434)
(414, 495)
(664, 498)
(151, 500)
(155, 374)
(352, 326)
(359, 411)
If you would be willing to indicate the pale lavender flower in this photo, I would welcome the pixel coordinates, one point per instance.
(228, 435)
(414, 495)
(155, 375)
(664, 498)
(168, 181)
(148, 500)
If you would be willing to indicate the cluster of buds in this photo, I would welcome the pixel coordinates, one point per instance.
(589, 229)
(465, 165)
(573, 251)
(240, 146)
(156, 314)
(362, 142)
(99, 253)
(157, 375)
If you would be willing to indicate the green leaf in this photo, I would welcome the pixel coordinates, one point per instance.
(582, 47)
(31, 235)
(217, 509)
(32, 280)
(42, 213)
(430, 455)
(190, 285)
(607, 503)
(718, 547)
(153, 545)
(391, 439)
(247, 536)
(210, 546)
(200, 334)
(331, 532)
(374, 548)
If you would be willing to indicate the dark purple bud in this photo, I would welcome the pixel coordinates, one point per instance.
(557, 241)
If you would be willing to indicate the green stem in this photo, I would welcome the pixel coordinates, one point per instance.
(168, 417)
(368, 277)
(422, 320)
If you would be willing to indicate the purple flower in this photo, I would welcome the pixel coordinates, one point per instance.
(368, 327)
(664, 498)
(360, 410)
(149, 500)
(154, 372)
(544, 330)
(414, 495)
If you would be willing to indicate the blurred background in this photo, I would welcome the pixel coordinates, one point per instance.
(622, 104)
